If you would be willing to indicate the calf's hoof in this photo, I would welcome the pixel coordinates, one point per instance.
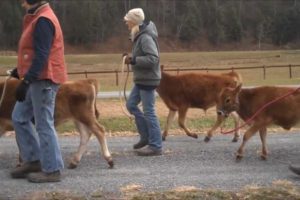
(263, 157)
(235, 139)
(193, 136)
(163, 138)
(110, 163)
(238, 157)
(72, 165)
(206, 139)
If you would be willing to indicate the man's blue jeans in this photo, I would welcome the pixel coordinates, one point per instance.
(38, 141)
(146, 121)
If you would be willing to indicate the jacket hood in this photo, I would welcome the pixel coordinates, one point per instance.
(148, 28)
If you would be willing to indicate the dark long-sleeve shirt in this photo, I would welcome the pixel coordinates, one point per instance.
(42, 42)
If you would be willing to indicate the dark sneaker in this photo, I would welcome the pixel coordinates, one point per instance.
(140, 144)
(294, 169)
(148, 151)
(26, 168)
(43, 177)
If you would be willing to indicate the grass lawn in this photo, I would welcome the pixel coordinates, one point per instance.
(181, 60)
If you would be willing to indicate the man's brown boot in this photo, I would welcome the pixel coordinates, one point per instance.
(44, 177)
(148, 151)
(140, 144)
(26, 168)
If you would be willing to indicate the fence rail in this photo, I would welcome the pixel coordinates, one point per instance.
(178, 70)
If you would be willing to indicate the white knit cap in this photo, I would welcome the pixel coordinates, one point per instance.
(135, 15)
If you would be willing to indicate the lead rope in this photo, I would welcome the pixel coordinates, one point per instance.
(260, 110)
(131, 117)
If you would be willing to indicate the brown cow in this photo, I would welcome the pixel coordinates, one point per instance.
(284, 112)
(194, 90)
(76, 100)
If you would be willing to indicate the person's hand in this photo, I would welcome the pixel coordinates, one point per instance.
(128, 60)
(22, 90)
(14, 73)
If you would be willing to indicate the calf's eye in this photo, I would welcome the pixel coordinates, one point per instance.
(227, 100)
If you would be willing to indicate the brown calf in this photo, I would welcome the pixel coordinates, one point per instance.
(284, 112)
(194, 90)
(76, 100)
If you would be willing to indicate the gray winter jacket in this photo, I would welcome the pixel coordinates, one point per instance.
(145, 52)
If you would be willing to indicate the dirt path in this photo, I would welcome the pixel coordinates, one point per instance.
(185, 162)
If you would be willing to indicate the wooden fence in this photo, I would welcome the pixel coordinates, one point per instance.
(110, 79)
(178, 70)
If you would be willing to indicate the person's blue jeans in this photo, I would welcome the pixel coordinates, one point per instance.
(146, 121)
(38, 141)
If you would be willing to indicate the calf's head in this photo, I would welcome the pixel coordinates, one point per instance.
(228, 101)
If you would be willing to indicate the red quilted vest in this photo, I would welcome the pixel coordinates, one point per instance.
(55, 68)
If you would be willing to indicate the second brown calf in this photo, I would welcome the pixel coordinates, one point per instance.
(246, 102)
(194, 90)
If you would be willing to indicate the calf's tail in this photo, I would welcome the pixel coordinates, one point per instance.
(95, 83)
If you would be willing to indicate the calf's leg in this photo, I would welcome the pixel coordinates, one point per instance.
(102, 139)
(99, 132)
(236, 125)
(170, 119)
(263, 134)
(85, 135)
(217, 124)
(248, 134)
(181, 121)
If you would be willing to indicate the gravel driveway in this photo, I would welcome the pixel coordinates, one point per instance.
(186, 162)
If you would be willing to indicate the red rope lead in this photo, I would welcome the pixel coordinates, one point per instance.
(260, 110)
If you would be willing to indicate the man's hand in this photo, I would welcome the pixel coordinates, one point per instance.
(128, 60)
(14, 73)
(22, 90)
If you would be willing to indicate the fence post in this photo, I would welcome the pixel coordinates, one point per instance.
(178, 71)
(264, 69)
(290, 69)
(85, 72)
(117, 77)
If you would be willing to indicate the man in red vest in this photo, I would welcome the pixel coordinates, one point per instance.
(41, 67)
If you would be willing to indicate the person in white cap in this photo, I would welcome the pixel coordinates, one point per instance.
(146, 76)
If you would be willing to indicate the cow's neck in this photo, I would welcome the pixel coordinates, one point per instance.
(167, 77)
(244, 109)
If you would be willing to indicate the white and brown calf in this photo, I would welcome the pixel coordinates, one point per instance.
(76, 101)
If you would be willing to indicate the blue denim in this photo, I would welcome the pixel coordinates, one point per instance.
(38, 141)
(146, 121)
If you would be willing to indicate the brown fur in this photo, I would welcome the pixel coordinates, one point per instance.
(75, 100)
(193, 90)
(246, 102)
